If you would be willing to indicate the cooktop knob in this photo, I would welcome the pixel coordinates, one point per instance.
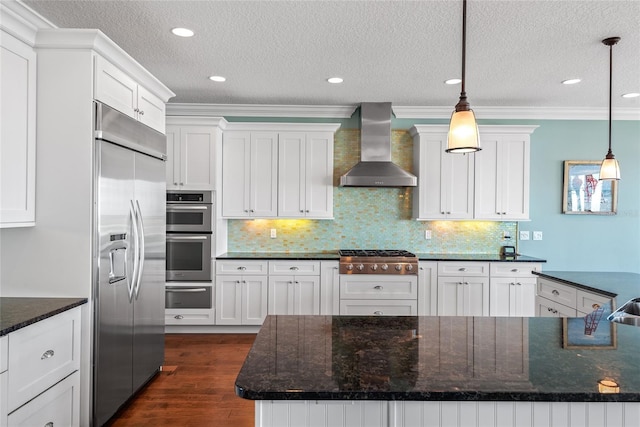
(398, 267)
(384, 267)
(350, 267)
(409, 267)
(360, 267)
(374, 267)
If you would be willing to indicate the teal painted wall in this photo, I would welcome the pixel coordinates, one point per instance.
(570, 242)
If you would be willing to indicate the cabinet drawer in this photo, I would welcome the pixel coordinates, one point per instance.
(42, 354)
(55, 407)
(241, 267)
(548, 308)
(363, 287)
(513, 269)
(554, 291)
(191, 316)
(378, 308)
(299, 268)
(463, 268)
(4, 352)
(588, 301)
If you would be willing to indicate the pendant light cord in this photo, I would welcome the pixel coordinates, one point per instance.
(610, 91)
(464, 45)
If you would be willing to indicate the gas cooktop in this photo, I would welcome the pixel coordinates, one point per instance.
(377, 261)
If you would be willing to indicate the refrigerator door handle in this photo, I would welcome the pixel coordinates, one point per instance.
(140, 249)
(136, 249)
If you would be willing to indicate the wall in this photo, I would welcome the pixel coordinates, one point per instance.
(382, 217)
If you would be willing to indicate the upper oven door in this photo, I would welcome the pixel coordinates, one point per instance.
(189, 217)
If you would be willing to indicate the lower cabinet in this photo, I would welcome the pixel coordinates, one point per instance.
(379, 295)
(512, 296)
(294, 295)
(242, 300)
(555, 299)
(463, 296)
(358, 307)
(40, 385)
(329, 288)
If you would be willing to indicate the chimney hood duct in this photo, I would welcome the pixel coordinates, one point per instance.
(375, 168)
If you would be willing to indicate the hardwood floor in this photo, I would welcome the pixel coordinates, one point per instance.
(196, 387)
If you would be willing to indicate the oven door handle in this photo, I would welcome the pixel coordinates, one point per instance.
(184, 290)
(186, 208)
(175, 239)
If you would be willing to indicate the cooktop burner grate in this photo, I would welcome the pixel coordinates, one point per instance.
(375, 253)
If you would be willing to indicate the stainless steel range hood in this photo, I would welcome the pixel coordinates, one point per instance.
(376, 168)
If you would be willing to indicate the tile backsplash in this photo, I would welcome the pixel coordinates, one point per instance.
(377, 218)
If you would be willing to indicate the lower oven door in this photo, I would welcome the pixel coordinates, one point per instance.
(188, 257)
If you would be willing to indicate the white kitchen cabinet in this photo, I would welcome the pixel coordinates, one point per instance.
(463, 289)
(445, 181)
(587, 302)
(118, 90)
(502, 173)
(427, 288)
(305, 174)
(512, 289)
(329, 288)
(18, 132)
(379, 295)
(294, 295)
(41, 380)
(249, 174)
(241, 292)
(191, 148)
(555, 299)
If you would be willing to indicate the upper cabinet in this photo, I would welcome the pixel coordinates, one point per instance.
(279, 170)
(445, 180)
(191, 146)
(502, 173)
(18, 138)
(117, 89)
(492, 184)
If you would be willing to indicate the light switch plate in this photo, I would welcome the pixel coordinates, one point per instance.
(537, 235)
(524, 235)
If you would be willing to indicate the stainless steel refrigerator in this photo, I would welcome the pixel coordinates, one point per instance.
(129, 258)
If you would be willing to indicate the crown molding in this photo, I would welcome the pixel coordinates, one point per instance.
(261, 110)
(530, 113)
(22, 22)
(484, 129)
(218, 122)
(281, 127)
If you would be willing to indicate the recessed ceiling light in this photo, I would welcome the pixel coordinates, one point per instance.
(182, 32)
(217, 78)
(335, 80)
(571, 81)
(452, 81)
(631, 95)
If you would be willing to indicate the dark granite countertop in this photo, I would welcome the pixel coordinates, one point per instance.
(16, 313)
(439, 358)
(327, 256)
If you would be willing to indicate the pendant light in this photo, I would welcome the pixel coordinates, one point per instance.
(610, 168)
(463, 130)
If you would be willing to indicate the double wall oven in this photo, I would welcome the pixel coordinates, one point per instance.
(189, 289)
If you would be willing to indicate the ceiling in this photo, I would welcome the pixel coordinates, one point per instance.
(282, 52)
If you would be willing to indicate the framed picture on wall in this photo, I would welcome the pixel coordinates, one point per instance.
(583, 191)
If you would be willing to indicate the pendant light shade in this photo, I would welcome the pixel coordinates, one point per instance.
(610, 169)
(463, 134)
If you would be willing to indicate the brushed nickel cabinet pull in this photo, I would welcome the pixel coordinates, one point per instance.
(47, 354)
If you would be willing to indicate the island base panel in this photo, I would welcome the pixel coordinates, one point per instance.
(353, 413)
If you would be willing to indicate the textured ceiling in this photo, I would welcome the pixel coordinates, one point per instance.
(282, 52)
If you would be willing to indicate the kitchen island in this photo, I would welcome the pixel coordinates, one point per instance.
(433, 371)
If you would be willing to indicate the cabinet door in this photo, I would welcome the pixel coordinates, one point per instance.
(281, 295)
(18, 139)
(229, 300)
(306, 295)
(319, 175)
(235, 174)
(173, 158)
(512, 296)
(196, 158)
(254, 300)
(291, 174)
(463, 296)
(151, 110)
(449, 296)
(263, 187)
(115, 88)
(427, 288)
(329, 288)
(501, 293)
(458, 182)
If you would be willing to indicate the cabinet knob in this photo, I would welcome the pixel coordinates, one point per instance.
(175, 183)
(555, 292)
(251, 210)
(518, 283)
(178, 317)
(442, 212)
(307, 211)
(47, 354)
(141, 112)
(504, 213)
(135, 110)
(301, 211)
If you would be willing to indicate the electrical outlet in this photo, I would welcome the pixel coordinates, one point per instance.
(506, 235)
(537, 235)
(273, 233)
(427, 234)
(524, 235)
